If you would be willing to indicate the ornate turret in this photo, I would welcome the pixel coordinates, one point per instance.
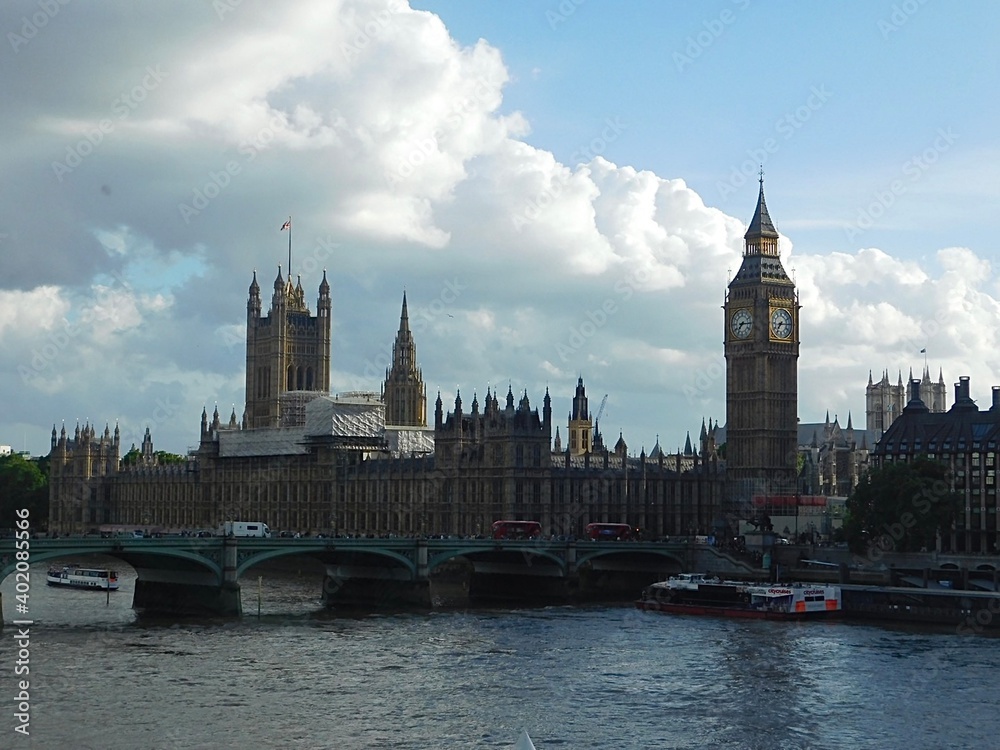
(403, 391)
(581, 432)
(621, 449)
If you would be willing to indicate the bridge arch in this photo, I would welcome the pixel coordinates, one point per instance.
(323, 554)
(585, 555)
(134, 557)
(442, 556)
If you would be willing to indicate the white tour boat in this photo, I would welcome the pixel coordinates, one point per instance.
(78, 577)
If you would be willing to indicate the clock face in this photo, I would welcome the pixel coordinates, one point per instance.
(741, 324)
(781, 323)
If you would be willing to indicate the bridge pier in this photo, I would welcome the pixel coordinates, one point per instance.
(187, 592)
(185, 598)
(361, 586)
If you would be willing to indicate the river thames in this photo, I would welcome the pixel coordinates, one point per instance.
(575, 677)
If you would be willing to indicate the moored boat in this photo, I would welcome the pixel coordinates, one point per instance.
(79, 577)
(698, 594)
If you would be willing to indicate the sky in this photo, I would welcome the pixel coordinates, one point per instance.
(560, 188)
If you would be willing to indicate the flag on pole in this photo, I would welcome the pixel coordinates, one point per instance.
(286, 225)
(923, 351)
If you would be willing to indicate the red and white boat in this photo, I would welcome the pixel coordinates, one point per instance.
(698, 594)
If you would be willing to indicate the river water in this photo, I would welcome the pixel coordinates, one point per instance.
(575, 677)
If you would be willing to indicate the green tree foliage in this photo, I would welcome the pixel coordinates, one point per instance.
(163, 458)
(24, 483)
(900, 507)
(134, 456)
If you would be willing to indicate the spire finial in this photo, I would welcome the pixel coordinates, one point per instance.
(760, 175)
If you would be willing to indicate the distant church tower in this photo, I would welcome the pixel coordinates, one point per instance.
(581, 433)
(884, 402)
(288, 350)
(403, 392)
(762, 351)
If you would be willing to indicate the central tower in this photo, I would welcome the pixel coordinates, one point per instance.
(403, 391)
(762, 351)
(287, 350)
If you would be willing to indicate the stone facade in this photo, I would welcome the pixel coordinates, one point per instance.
(885, 401)
(967, 440)
(344, 466)
(487, 465)
(834, 458)
(287, 350)
(762, 350)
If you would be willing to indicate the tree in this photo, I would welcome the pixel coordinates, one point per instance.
(24, 483)
(901, 507)
(162, 458)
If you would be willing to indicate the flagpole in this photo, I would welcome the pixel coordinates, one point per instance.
(289, 248)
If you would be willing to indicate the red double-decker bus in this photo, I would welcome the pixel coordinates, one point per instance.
(516, 529)
(609, 532)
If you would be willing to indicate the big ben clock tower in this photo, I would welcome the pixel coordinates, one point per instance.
(762, 351)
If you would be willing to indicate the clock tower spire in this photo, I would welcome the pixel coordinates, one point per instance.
(762, 351)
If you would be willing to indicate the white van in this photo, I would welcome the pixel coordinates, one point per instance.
(246, 528)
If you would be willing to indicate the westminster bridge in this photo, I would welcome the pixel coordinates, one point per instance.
(201, 575)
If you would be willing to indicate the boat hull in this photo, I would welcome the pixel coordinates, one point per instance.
(745, 613)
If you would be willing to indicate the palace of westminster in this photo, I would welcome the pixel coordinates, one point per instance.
(368, 463)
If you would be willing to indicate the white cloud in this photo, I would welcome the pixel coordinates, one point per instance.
(31, 312)
(389, 143)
